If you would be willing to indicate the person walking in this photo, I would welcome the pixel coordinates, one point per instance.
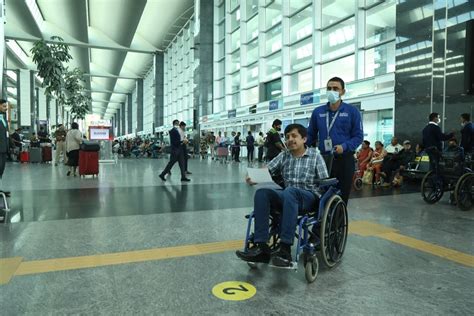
(274, 144)
(338, 128)
(60, 138)
(433, 139)
(73, 143)
(4, 141)
(467, 133)
(260, 144)
(177, 154)
(237, 147)
(184, 144)
(250, 141)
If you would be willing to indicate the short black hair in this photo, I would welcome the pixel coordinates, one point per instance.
(337, 79)
(276, 122)
(433, 116)
(379, 142)
(75, 125)
(466, 116)
(3, 101)
(250, 132)
(175, 122)
(182, 124)
(301, 129)
(367, 142)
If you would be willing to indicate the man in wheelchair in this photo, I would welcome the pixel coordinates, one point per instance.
(300, 168)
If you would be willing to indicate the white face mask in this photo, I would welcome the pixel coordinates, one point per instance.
(333, 96)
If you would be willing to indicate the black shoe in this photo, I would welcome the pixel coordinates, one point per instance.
(258, 253)
(283, 257)
(68, 173)
(169, 172)
(187, 172)
(185, 180)
(162, 177)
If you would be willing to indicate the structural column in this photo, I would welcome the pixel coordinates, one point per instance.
(159, 90)
(139, 105)
(129, 113)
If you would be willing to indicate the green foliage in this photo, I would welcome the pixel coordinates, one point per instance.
(49, 59)
(67, 86)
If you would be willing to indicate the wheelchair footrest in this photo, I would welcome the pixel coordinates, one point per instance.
(293, 266)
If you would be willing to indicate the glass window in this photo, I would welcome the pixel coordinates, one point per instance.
(234, 20)
(235, 77)
(219, 105)
(273, 90)
(295, 5)
(252, 8)
(235, 40)
(273, 13)
(219, 70)
(302, 81)
(220, 50)
(336, 10)
(273, 66)
(273, 40)
(220, 31)
(252, 52)
(220, 12)
(219, 88)
(252, 29)
(236, 100)
(301, 55)
(234, 4)
(380, 60)
(252, 75)
(343, 68)
(339, 40)
(301, 25)
(380, 23)
(251, 96)
(235, 61)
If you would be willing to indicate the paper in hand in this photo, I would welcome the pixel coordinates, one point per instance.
(262, 177)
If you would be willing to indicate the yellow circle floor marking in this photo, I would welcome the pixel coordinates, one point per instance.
(234, 291)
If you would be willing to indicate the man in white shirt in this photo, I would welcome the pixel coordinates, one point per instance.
(394, 146)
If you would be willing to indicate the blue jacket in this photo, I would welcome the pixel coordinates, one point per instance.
(175, 138)
(434, 137)
(347, 130)
(467, 137)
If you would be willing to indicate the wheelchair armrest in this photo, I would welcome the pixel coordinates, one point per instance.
(326, 182)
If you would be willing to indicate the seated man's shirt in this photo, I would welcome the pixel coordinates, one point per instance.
(393, 149)
(300, 172)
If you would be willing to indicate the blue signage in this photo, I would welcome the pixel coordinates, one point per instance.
(307, 98)
(273, 105)
(232, 113)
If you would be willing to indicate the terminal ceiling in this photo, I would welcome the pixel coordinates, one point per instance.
(112, 41)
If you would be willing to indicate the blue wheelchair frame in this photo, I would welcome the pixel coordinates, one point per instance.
(328, 186)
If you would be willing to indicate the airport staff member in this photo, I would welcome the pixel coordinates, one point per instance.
(433, 139)
(4, 141)
(337, 126)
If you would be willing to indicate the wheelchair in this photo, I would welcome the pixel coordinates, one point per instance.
(452, 172)
(322, 231)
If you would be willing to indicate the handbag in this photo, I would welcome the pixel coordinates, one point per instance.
(368, 176)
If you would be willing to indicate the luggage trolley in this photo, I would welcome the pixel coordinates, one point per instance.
(223, 154)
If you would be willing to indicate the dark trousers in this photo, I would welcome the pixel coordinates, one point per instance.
(185, 156)
(292, 201)
(236, 152)
(250, 150)
(260, 153)
(343, 171)
(3, 160)
(177, 155)
(389, 166)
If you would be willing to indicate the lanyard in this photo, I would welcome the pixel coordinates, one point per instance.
(329, 126)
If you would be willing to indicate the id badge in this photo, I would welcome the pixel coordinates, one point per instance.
(328, 144)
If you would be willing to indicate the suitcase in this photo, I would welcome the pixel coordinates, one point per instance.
(88, 163)
(47, 154)
(35, 154)
(24, 156)
(90, 146)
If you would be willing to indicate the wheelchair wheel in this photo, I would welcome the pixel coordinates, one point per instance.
(464, 192)
(432, 188)
(311, 268)
(358, 184)
(333, 231)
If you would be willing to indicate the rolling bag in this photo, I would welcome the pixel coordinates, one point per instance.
(88, 163)
(24, 156)
(47, 154)
(35, 154)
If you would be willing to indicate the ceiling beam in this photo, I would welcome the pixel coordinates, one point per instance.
(111, 76)
(107, 91)
(83, 45)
